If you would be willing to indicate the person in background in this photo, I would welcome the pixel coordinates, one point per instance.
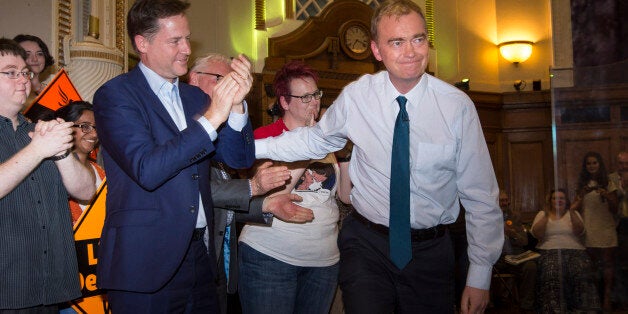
(235, 199)
(38, 266)
(564, 281)
(619, 178)
(38, 58)
(596, 198)
(81, 113)
(515, 241)
(293, 268)
(408, 267)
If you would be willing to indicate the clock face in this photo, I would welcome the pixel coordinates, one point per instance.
(356, 39)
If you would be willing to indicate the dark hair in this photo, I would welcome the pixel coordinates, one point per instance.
(49, 60)
(394, 8)
(601, 176)
(143, 17)
(11, 47)
(72, 111)
(290, 71)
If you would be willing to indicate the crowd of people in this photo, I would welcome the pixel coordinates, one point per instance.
(184, 165)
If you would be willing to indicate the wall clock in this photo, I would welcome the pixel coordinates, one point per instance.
(355, 39)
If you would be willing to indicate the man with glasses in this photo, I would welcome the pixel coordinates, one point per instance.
(37, 174)
(236, 199)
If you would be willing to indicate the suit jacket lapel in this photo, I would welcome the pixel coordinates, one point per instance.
(152, 101)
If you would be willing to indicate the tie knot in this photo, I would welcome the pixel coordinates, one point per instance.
(402, 101)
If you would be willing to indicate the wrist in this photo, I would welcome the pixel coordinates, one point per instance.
(59, 157)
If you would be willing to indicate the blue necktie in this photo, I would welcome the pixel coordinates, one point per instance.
(399, 223)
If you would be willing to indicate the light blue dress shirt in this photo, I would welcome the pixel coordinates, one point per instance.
(449, 159)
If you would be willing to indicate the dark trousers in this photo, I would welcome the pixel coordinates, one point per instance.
(191, 290)
(371, 283)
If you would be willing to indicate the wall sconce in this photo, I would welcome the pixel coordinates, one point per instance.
(516, 51)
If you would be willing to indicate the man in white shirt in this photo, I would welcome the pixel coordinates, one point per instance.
(449, 161)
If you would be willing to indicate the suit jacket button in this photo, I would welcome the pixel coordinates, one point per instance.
(195, 176)
(221, 233)
(192, 209)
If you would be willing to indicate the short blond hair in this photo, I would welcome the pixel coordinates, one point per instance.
(394, 8)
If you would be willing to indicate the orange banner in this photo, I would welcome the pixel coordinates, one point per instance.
(87, 232)
(58, 93)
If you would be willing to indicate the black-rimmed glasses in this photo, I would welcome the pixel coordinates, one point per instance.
(14, 75)
(308, 97)
(85, 127)
(218, 76)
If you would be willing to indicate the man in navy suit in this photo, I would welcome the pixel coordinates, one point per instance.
(157, 136)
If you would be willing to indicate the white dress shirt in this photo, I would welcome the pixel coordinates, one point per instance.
(449, 159)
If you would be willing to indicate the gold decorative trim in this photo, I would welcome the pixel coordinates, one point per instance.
(97, 54)
(429, 21)
(260, 15)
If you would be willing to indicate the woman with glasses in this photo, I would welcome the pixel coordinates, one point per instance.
(85, 142)
(38, 59)
(293, 268)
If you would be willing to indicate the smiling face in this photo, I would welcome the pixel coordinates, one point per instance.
(35, 57)
(167, 51)
(84, 143)
(402, 46)
(13, 92)
(593, 165)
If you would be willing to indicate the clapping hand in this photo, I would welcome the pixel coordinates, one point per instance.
(52, 138)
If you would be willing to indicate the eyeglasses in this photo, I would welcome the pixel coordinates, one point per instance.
(218, 76)
(308, 97)
(14, 75)
(85, 127)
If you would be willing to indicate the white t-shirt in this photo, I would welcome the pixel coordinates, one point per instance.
(558, 233)
(311, 244)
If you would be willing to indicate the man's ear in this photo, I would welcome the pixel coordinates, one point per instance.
(375, 51)
(193, 78)
(141, 42)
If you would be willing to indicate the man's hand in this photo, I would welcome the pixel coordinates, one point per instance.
(52, 138)
(220, 107)
(268, 178)
(242, 74)
(282, 207)
(474, 300)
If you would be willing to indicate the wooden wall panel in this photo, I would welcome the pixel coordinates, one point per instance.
(529, 171)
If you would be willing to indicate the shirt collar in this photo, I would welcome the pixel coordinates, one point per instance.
(155, 81)
(413, 96)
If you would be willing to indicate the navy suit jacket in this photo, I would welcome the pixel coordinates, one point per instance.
(155, 173)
